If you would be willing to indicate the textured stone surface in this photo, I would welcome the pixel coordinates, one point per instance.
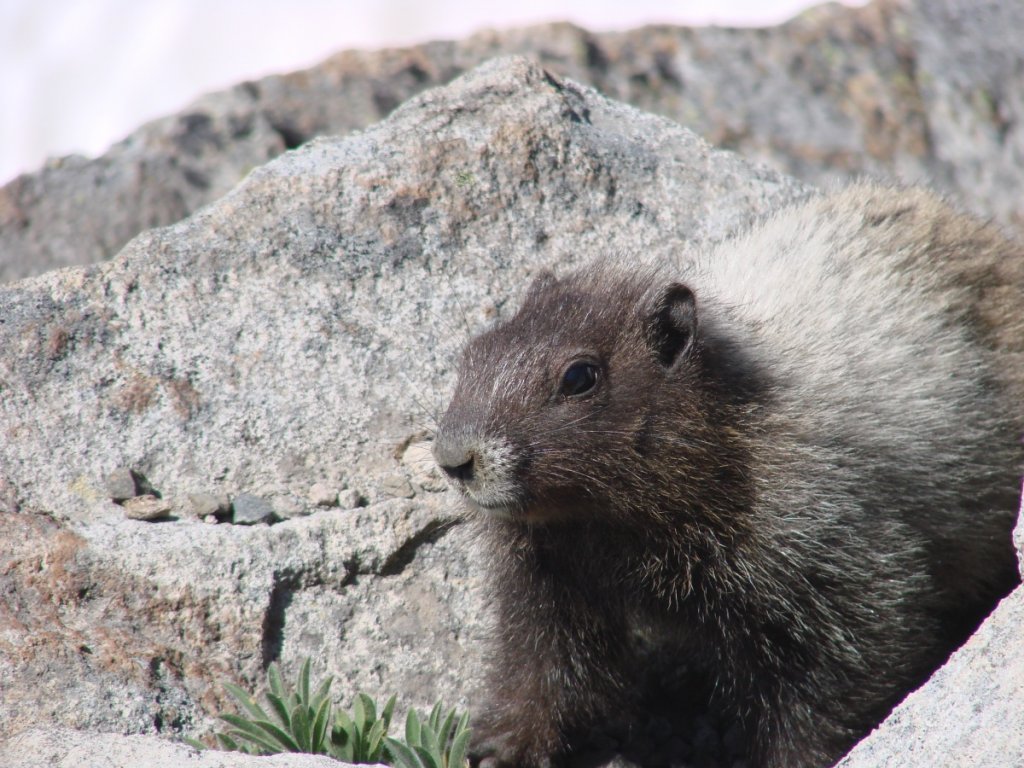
(929, 90)
(64, 748)
(301, 331)
(303, 326)
(970, 714)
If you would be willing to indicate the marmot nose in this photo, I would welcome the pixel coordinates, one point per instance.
(458, 464)
(463, 472)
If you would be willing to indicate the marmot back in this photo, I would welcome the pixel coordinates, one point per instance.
(794, 467)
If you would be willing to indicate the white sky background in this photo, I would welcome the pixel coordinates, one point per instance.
(78, 75)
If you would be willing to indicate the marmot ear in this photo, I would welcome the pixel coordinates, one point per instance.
(673, 324)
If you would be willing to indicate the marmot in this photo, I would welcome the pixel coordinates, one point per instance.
(793, 465)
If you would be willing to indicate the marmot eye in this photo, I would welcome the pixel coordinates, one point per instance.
(579, 379)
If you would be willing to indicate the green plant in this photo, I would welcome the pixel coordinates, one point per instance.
(360, 738)
(300, 721)
(435, 743)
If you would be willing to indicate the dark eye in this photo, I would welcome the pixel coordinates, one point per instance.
(579, 379)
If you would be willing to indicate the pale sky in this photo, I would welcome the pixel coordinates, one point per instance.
(78, 75)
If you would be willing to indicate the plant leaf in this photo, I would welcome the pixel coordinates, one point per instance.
(388, 709)
(428, 741)
(263, 731)
(303, 687)
(374, 740)
(435, 717)
(247, 729)
(370, 707)
(412, 728)
(445, 733)
(248, 702)
(343, 744)
(318, 731)
(195, 744)
(402, 756)
(227, 743)
(276, 684)
(428, 758)
(457, 754)
(359, 713)
(344, 722)
(321, 692)
(280, 709)
(300, 727)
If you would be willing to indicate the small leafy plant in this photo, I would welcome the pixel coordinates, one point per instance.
(300, 721)
(303, 721)
(435, 743)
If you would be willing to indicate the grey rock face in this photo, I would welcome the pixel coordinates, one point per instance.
(307, 321)
(63, 748)
(300, 331)
(968, 715)
(921, 89)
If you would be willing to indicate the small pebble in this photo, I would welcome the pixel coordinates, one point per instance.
(147, 507)
(250, 510)
(204, 504)
(397, 487)
(121, 485)
(349, 499)
(322, 495)
(211, 519)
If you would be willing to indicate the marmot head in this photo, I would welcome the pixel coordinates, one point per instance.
(586, 402)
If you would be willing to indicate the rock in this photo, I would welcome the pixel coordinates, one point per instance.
(250, 510)
(121, 484)
(421, 465)
(397, 487)
(969, 714)
(322, 495)
(206, 504)
(283, 287)
(65, 748)
(325, 283)
(350, 499)
(77, 210)
(146, 507)
(927, 90)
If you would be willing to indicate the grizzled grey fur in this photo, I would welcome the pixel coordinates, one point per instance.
(790, 467)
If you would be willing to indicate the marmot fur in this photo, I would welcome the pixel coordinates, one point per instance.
(793, 465)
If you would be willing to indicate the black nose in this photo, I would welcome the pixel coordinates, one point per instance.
(463, 472)
(455, 458)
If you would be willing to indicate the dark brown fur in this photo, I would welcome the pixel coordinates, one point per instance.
(806, 558)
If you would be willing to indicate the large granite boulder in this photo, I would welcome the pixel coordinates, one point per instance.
(287, 348)
(926, 90)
